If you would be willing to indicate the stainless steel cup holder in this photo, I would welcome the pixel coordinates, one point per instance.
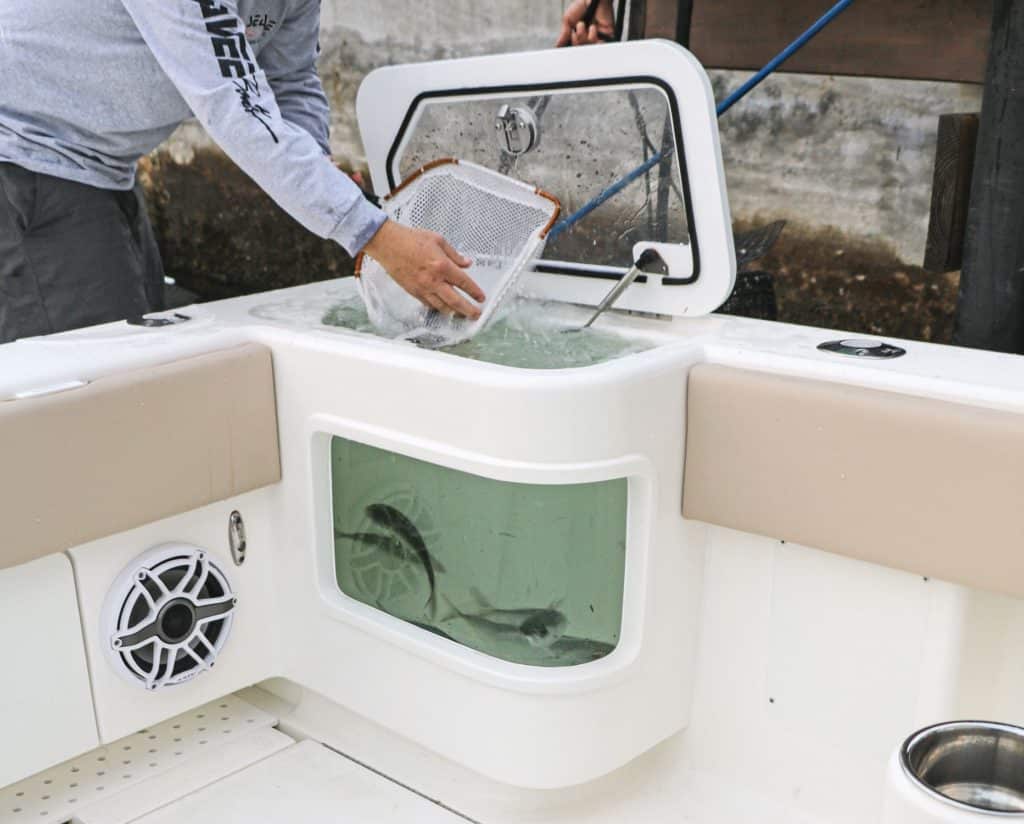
(974, 765)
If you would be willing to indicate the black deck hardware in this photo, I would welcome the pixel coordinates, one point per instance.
(861, 348)
(756, 243)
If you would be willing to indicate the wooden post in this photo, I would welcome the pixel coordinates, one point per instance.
(951, 192)
(990, 314)
(683, 17)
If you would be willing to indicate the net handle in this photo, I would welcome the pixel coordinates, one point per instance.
(445, 161)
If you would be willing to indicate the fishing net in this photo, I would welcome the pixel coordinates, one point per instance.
(499, 223)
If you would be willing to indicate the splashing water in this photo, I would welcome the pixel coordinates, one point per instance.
(523, 338)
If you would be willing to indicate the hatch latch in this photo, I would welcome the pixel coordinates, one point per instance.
(517, 129)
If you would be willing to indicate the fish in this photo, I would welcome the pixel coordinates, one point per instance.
(387, 517)
(544, 627)
(539, 627)
(385, 543)
(484, 626)
(586, 649)
(487, 608)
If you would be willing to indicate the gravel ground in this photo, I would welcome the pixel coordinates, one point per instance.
(826, 279)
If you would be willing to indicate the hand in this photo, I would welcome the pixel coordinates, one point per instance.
(427, 267)
(576, 33)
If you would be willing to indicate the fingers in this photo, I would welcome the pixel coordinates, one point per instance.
(459, 258)
(585, 36)
(575, 32)
(575, 10)
(428, 268)
(456, 303)
(467, 284)
(451, 275)
(458, 277)
(573, 14)
(448, 301)
(434, 302)
(564, 36)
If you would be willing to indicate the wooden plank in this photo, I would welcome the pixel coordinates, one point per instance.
(991, 310)
(951, 192)
(669, 19)
(660, 20)
(913, 39)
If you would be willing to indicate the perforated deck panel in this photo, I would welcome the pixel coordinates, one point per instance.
(223, 762)
(198, 772)
(61, 793)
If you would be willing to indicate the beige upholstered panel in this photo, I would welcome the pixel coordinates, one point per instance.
(922, 485)
(134, 448)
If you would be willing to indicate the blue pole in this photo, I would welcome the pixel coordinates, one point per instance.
(783, 56)
(607, 194)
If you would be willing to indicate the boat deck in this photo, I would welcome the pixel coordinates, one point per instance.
(223, 762)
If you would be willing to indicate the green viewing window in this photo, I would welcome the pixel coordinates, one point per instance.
(528, 573)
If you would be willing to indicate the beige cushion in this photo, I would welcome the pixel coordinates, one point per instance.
(134, 448)
(922, 485)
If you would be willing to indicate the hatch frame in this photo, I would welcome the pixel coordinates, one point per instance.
(391, 99)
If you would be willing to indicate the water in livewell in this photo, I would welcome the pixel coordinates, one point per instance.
(531, 574)
(523, 338)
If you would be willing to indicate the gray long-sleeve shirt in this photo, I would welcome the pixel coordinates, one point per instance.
(89, 86)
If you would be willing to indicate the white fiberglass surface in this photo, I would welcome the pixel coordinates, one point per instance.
(304, 783)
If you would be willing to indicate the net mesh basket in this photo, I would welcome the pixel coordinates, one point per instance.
(498, 222)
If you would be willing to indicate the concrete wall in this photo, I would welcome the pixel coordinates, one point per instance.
(820, 151)
(853, 153)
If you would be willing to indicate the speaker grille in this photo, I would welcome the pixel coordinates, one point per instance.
(168, 616)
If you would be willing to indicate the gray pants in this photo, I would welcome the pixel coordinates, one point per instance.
(72, 255)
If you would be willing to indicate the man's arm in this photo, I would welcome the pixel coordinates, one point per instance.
(289, 61)
(201, 46)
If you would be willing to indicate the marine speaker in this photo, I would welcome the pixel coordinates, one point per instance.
(167, 616)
